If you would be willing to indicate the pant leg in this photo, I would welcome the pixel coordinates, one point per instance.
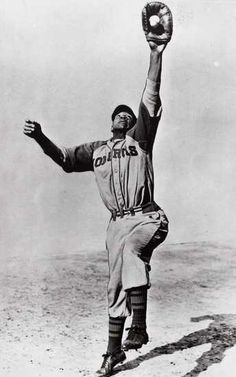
(130, 242)
(138, 249)
(118, 303)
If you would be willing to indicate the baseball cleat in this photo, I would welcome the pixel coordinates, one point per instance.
(110, 361)
(136, 338)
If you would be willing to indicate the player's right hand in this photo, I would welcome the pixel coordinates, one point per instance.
(32, 129)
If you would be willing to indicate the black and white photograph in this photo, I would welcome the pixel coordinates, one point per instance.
(118, 181)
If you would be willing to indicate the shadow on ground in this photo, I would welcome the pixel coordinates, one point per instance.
(221, 333)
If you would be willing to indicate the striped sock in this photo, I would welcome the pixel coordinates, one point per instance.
(138, 301)
(116, 327)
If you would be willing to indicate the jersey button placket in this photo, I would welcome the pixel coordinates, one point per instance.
(117, 182)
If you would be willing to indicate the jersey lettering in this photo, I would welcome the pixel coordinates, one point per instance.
(123, 152)
(100, 161)
(109, 156)
(116, 153)
(133, 150)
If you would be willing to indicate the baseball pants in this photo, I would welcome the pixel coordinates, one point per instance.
(130, 243)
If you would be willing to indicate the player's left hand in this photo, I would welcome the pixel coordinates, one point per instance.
(156, 47)
(157, 23)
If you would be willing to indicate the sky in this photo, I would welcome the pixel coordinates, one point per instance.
(67, 64)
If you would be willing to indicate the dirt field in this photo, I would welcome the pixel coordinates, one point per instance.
(54, 317)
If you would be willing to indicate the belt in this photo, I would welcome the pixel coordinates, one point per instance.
(148, 207)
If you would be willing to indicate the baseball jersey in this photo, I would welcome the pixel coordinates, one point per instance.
(123, 168)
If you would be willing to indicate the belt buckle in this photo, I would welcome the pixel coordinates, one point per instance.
(132, 211)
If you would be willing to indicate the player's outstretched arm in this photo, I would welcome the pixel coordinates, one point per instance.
(33, 130)
(155, 65)
(151, 98)
(158, 26)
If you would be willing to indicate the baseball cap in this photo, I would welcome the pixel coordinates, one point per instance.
(125, 108)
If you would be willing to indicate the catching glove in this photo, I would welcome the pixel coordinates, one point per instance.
(159, 28)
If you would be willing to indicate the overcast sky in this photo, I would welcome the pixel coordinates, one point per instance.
(67, 64)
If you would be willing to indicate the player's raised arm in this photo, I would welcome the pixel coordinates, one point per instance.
(33, 130)
(157, 26)
(75, 159)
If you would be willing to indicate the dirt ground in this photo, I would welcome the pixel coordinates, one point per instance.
(54, 319)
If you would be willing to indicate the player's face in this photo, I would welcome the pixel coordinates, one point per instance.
(122, 121)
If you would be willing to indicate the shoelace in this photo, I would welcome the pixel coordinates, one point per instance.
(135, 331)
(106, 358)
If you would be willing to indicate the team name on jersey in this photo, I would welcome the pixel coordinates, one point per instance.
(115, 153)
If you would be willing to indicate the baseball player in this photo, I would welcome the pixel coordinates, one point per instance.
(123, 170)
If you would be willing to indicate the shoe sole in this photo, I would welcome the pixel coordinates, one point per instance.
(132, 347)
(110, 373)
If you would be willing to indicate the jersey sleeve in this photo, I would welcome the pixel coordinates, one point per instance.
(145, 129)
(151, 97)
(78, 158)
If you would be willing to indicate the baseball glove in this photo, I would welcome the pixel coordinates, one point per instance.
(161, 32)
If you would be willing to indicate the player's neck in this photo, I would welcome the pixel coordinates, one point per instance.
(118, 134)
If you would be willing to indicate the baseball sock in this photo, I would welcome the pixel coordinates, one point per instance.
(116, 327)
(138, 301)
